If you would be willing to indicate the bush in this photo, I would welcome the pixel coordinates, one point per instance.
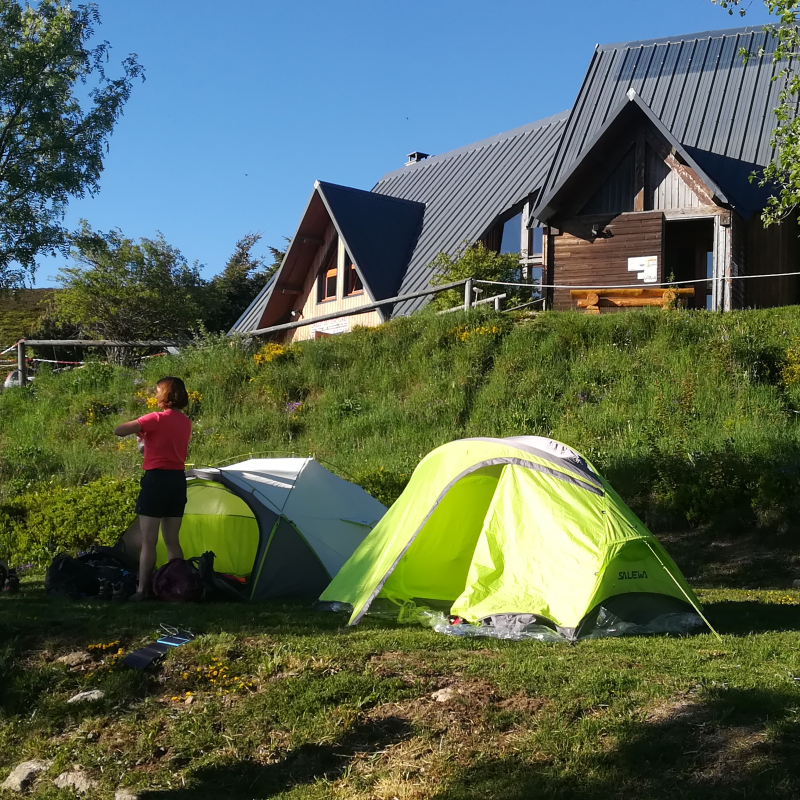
(36, 526)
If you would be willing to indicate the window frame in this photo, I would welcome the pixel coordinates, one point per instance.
(351, 278)
(330, 270)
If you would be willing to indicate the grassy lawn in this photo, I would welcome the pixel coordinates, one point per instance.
(334, 712)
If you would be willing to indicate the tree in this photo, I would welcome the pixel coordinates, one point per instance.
(783, 171)
(51, 141)
(244, 276)
(123, 290)
(474, 261)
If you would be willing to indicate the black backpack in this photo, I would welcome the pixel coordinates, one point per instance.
(79, 577)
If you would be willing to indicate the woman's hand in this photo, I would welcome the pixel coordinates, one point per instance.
(127, 428)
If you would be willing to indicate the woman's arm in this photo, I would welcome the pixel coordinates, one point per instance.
(127, 428)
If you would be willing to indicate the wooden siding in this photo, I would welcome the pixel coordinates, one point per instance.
(616, 193)
(664, 187)
(769, 250)
(309, 307)
(577, 260)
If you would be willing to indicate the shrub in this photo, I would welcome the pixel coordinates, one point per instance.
(36, 526)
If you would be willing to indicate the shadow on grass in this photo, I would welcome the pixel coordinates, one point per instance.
(33, 620)
(740, 618)
(303, 766)
(734, 744)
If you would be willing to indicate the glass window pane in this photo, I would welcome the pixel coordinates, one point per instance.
(511, 235)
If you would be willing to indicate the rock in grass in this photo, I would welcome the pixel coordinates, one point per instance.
(125, 794)
(76, 659)
(443, 695)
(85, 697)
(77, 780)
(23, 775)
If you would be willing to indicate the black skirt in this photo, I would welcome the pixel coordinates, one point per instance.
(163, 493)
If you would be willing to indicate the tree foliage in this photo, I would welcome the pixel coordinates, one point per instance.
(244, 276)
(123, 290)
(474, 261)
(51, 142)
(783, 171)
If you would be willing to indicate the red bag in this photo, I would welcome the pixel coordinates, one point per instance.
(178, 582)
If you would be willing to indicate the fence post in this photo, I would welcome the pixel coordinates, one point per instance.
(497, 303)
(21, 363)
(468, 294)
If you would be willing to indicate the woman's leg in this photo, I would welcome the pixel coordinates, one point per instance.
(147, 555)
(170, 528)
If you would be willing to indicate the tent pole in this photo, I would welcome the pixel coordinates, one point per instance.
(702, 616)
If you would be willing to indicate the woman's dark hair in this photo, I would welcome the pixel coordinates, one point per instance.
(171, 393)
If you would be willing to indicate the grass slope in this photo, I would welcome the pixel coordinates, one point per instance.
(691, 416)
(333, 712)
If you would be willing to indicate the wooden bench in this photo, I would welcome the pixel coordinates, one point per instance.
(593, 299)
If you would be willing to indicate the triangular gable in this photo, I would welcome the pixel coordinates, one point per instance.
(594, 158)
(378, 232)
(716, 104)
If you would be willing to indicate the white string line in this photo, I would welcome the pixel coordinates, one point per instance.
(673, 284)
(9, 349)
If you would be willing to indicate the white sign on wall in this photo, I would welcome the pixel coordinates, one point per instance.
(646, 266)
(331, 326)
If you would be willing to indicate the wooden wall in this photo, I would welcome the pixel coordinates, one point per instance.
(769, 250)
(309, 307)
(576, 259)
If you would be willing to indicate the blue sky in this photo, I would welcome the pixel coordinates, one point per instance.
(247, 104)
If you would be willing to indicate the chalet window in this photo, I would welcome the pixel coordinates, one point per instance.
(326, 282)
(353, 283)
(510, 242)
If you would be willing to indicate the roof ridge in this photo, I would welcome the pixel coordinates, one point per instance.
(682, 37)
(322, 184)
(497, 137)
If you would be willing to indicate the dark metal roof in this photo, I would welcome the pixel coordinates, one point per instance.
(251, 317)
(718, 107)
(379, 233)
(466, 190)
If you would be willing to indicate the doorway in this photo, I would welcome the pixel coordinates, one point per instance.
(689, 255)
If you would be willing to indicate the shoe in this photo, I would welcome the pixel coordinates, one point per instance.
(11, 583)
(105, 591)
(118, 593)
(139, 597)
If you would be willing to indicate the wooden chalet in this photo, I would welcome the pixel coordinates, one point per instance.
(645, 180)
(651, 180)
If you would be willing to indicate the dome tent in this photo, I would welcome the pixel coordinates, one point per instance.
(500, 530)
(288, 524)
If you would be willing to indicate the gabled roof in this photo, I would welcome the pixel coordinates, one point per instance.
(714, 105)
(466, 190)
(378, 232)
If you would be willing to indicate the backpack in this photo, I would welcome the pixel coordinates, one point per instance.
(218, 586)
(79, 577)
(178, 582)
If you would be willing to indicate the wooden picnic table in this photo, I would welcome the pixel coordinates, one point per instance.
(593, 299)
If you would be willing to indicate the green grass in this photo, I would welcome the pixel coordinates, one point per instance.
(337, 712)
(691, 416)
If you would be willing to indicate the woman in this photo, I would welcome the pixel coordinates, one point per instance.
(162, 496)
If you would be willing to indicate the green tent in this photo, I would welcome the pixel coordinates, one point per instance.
(285, 524)
(495, 531)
